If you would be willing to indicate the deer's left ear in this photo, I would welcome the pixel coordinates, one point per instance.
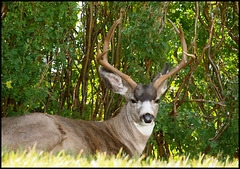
(163, 87)
(114, 82)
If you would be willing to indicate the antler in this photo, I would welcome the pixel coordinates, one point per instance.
(182, 64)
(104, 56)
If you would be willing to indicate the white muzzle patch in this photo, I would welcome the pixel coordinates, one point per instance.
(147, 108)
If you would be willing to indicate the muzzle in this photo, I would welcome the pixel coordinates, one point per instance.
(147, 118)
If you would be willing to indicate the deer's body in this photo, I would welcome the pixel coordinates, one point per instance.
(56, 133)
(129, 130)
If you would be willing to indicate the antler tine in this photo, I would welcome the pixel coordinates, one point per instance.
(183, 62)
(104, 56)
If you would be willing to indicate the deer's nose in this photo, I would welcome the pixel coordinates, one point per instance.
(147, 118)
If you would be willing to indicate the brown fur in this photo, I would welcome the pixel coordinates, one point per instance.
(54, 133)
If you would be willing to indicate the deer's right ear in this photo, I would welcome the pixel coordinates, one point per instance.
(114, 82)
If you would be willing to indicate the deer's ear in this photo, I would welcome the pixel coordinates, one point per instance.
(163, 87)
(114, 82)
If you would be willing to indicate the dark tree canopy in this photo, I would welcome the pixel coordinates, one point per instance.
(48, 65)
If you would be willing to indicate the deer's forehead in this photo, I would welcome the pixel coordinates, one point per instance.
(145, 92)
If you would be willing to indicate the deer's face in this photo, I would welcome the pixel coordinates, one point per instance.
(143, 103)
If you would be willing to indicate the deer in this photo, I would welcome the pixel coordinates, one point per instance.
(128, 131)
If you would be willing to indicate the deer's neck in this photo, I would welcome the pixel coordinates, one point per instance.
(126, 130)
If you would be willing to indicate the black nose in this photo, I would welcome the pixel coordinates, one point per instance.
(148, 118)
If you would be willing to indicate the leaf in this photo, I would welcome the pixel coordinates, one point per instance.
(8, 84)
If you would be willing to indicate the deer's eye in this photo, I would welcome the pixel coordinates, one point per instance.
(133, 101)
(157, 101)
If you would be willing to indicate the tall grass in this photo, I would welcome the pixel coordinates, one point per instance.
(33, 158)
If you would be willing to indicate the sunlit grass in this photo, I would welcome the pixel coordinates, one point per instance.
(33, 158)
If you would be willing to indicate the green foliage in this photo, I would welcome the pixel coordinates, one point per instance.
(144, 41)
(31, 33)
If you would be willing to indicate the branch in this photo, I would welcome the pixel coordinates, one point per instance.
(4, 10)
(209, 101)
(219, 132)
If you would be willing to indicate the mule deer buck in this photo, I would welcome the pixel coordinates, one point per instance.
(129, 130)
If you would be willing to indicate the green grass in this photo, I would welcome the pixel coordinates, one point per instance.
(33, 158)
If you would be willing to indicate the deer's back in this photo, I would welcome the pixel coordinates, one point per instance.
(54, 133)
(26, 130)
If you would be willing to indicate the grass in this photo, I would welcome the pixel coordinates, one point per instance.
(33, 158)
